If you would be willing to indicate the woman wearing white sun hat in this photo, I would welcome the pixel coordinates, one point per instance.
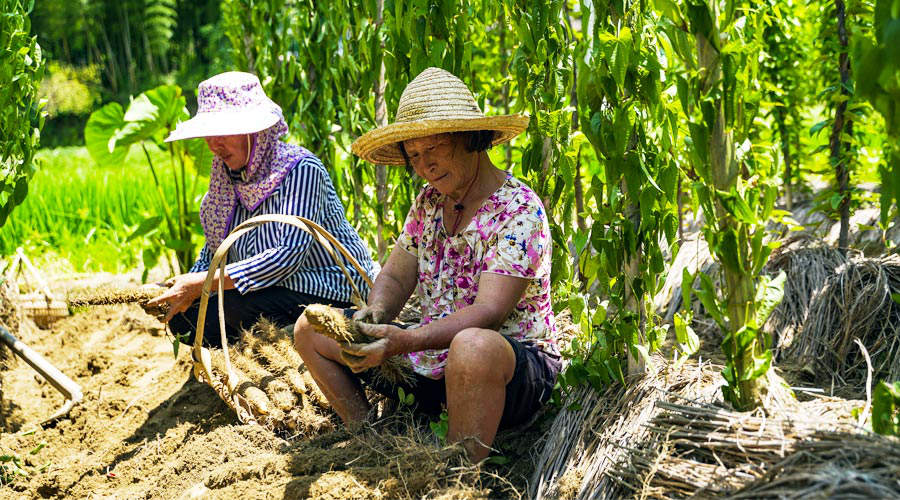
(476, 243)
(275, 270)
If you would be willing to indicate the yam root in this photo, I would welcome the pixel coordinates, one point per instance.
(107, 296)
(332, 323)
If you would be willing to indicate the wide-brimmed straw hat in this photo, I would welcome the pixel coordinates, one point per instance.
(434, 102)
(229, 104)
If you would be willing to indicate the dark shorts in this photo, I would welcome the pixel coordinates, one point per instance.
(278, 304)
(528, 390)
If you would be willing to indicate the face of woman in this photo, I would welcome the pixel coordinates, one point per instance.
(232, 149)
(442, 160)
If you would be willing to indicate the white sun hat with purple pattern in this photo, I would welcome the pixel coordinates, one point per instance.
(229, 104)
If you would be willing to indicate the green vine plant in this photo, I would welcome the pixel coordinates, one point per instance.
(21, 114)
(847, 112)
(328, 76)
(109, 135)
(877, 74)
(541, 69)
(714, 48)
(623, 113)
(440, 427)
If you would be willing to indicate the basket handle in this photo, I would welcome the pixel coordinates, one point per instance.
(202, 364)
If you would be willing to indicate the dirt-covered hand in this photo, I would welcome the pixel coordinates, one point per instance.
(369, 314)
(159, 309)
(362, 356)
(183, 290)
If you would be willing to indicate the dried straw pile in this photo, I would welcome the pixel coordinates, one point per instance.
(808, 264)
(855, 302)
(705, 451)
(585, 443)
(833, 465)
(272, 377)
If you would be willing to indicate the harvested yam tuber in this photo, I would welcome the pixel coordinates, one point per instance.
(332, 323)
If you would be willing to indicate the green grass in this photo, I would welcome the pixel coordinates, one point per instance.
(83, 213)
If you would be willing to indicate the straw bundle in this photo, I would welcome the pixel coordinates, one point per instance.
(707, 451)
(855, 302)
(808, 264)
(833, 465)
(586, 442)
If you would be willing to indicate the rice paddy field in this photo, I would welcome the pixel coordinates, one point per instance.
(83, 214)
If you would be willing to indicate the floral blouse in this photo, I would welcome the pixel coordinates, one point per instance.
(508, 235)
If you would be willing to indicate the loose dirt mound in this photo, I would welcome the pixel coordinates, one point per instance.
(146, 429)
(8, 319)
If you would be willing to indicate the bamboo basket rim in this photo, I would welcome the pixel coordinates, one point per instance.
(202, 358)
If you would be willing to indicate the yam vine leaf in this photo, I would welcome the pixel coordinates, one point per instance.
(886, 409)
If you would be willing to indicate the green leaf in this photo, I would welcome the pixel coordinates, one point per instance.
(737, 207)
(643, 352)
(708, 298)
(669, 8)
(886, 409)
(178, 245)
(687, 281)
(761, 365)
(688, 341)
(146, 225)
(815, 129)
(614, 367)
(577, 305)
(769, 293)
(729, 252)
(100, 128)
(21, 191)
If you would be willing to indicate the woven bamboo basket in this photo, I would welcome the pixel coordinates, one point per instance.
(214, 367)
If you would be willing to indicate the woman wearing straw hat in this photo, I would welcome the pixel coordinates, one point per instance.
(275, 270)
(477, 244)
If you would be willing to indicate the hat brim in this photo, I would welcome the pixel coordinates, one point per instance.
(224, 123)
(380, 146)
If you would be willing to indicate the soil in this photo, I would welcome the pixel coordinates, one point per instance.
(147, 429)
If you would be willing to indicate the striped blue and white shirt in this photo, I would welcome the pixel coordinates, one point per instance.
(280, 254)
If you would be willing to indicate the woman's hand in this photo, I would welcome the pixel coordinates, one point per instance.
(359, 357)
(183, 290)
(369, 314)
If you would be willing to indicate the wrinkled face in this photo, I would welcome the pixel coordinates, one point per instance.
(232, 149)
(440, 160)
